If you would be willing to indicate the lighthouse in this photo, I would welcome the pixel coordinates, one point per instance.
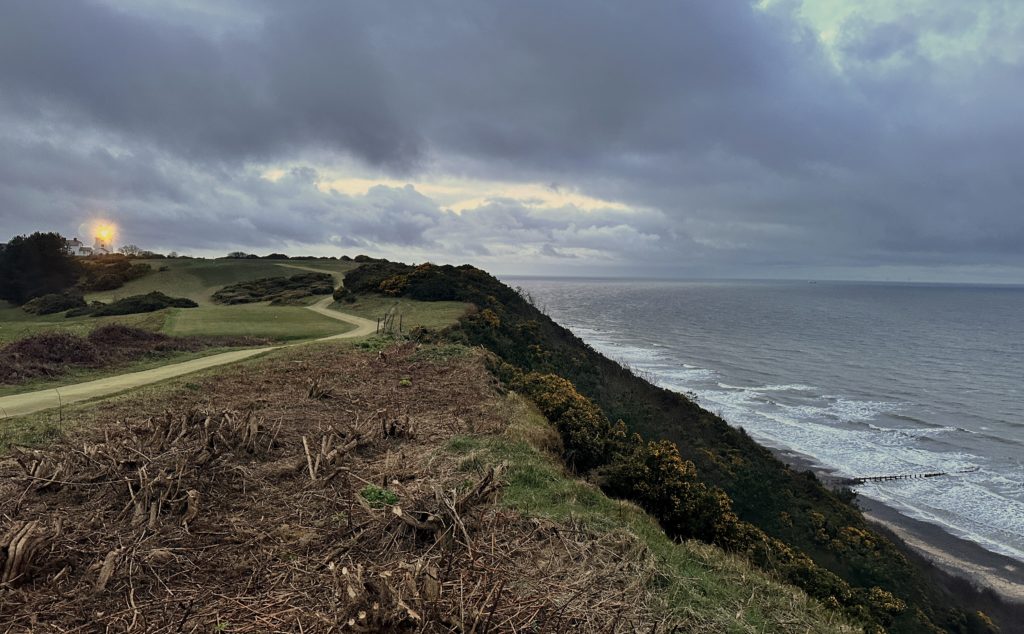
(103, 237)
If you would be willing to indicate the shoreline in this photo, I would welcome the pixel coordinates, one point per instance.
(948, 553)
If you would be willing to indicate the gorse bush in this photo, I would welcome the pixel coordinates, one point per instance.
(704, 479)
(585, 431)
(148, 303)
(659, 480)
(110, 272)
(655, 476)
(279, 290)
(652, 474)
(54, 303)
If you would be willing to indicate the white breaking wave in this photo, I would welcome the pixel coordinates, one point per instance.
(795, 387)
(969, 506)
(962, 504)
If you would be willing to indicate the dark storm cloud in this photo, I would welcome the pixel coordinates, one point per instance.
(297, 82)
(737, 138)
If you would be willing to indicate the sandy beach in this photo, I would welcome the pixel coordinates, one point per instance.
(951, 555)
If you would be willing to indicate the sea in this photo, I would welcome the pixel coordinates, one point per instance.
(863, 379)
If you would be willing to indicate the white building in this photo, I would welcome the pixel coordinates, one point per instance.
(101, 247)
(77, 248)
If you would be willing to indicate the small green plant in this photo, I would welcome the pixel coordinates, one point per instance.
(405, 382)
(375, 343)
(378, 497)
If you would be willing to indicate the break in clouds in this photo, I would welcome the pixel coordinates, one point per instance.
(780, 138)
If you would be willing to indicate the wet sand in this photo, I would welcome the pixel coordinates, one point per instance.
(956, 556)
(949, 553)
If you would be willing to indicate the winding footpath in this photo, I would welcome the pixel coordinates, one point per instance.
(30, 402)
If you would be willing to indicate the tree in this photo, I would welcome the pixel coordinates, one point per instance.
(130, 249)
(36, 265)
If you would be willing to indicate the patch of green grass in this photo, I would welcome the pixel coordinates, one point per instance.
(199, 279)
(375, 343)
(433, 315)
(699, 585)
(378, 497)
(280, 323)
(17, 324)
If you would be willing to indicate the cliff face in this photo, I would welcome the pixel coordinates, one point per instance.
(823, 543)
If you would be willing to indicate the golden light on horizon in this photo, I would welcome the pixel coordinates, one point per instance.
(104, 232)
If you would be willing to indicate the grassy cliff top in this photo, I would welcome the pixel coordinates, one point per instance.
(409, 493)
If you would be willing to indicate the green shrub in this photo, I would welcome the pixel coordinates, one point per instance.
(394, 285)
(85, 310)
(54, 303)
(148, 303)
(279, 290)
(36, 265)
(740, 476)
(585, 431)
(378, 497)
(110, 272)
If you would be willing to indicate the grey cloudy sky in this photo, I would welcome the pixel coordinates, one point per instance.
(813, 138)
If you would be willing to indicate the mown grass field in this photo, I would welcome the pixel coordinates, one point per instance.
(17, 324)
(199, 279)
(278, 323)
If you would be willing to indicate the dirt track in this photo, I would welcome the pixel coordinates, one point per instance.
(30, 402)
(161, 517)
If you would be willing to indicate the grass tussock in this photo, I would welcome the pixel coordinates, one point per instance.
(694, 586)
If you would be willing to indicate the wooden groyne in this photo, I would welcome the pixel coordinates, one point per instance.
(904, 476)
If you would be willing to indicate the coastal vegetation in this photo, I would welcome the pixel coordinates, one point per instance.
(720, 485)
(109, 272)
(38, 265)
(148, 303)
(174, 298)
(436, 507)
(35, 265)
(276, 290)
(53, 303)
(644, 452)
